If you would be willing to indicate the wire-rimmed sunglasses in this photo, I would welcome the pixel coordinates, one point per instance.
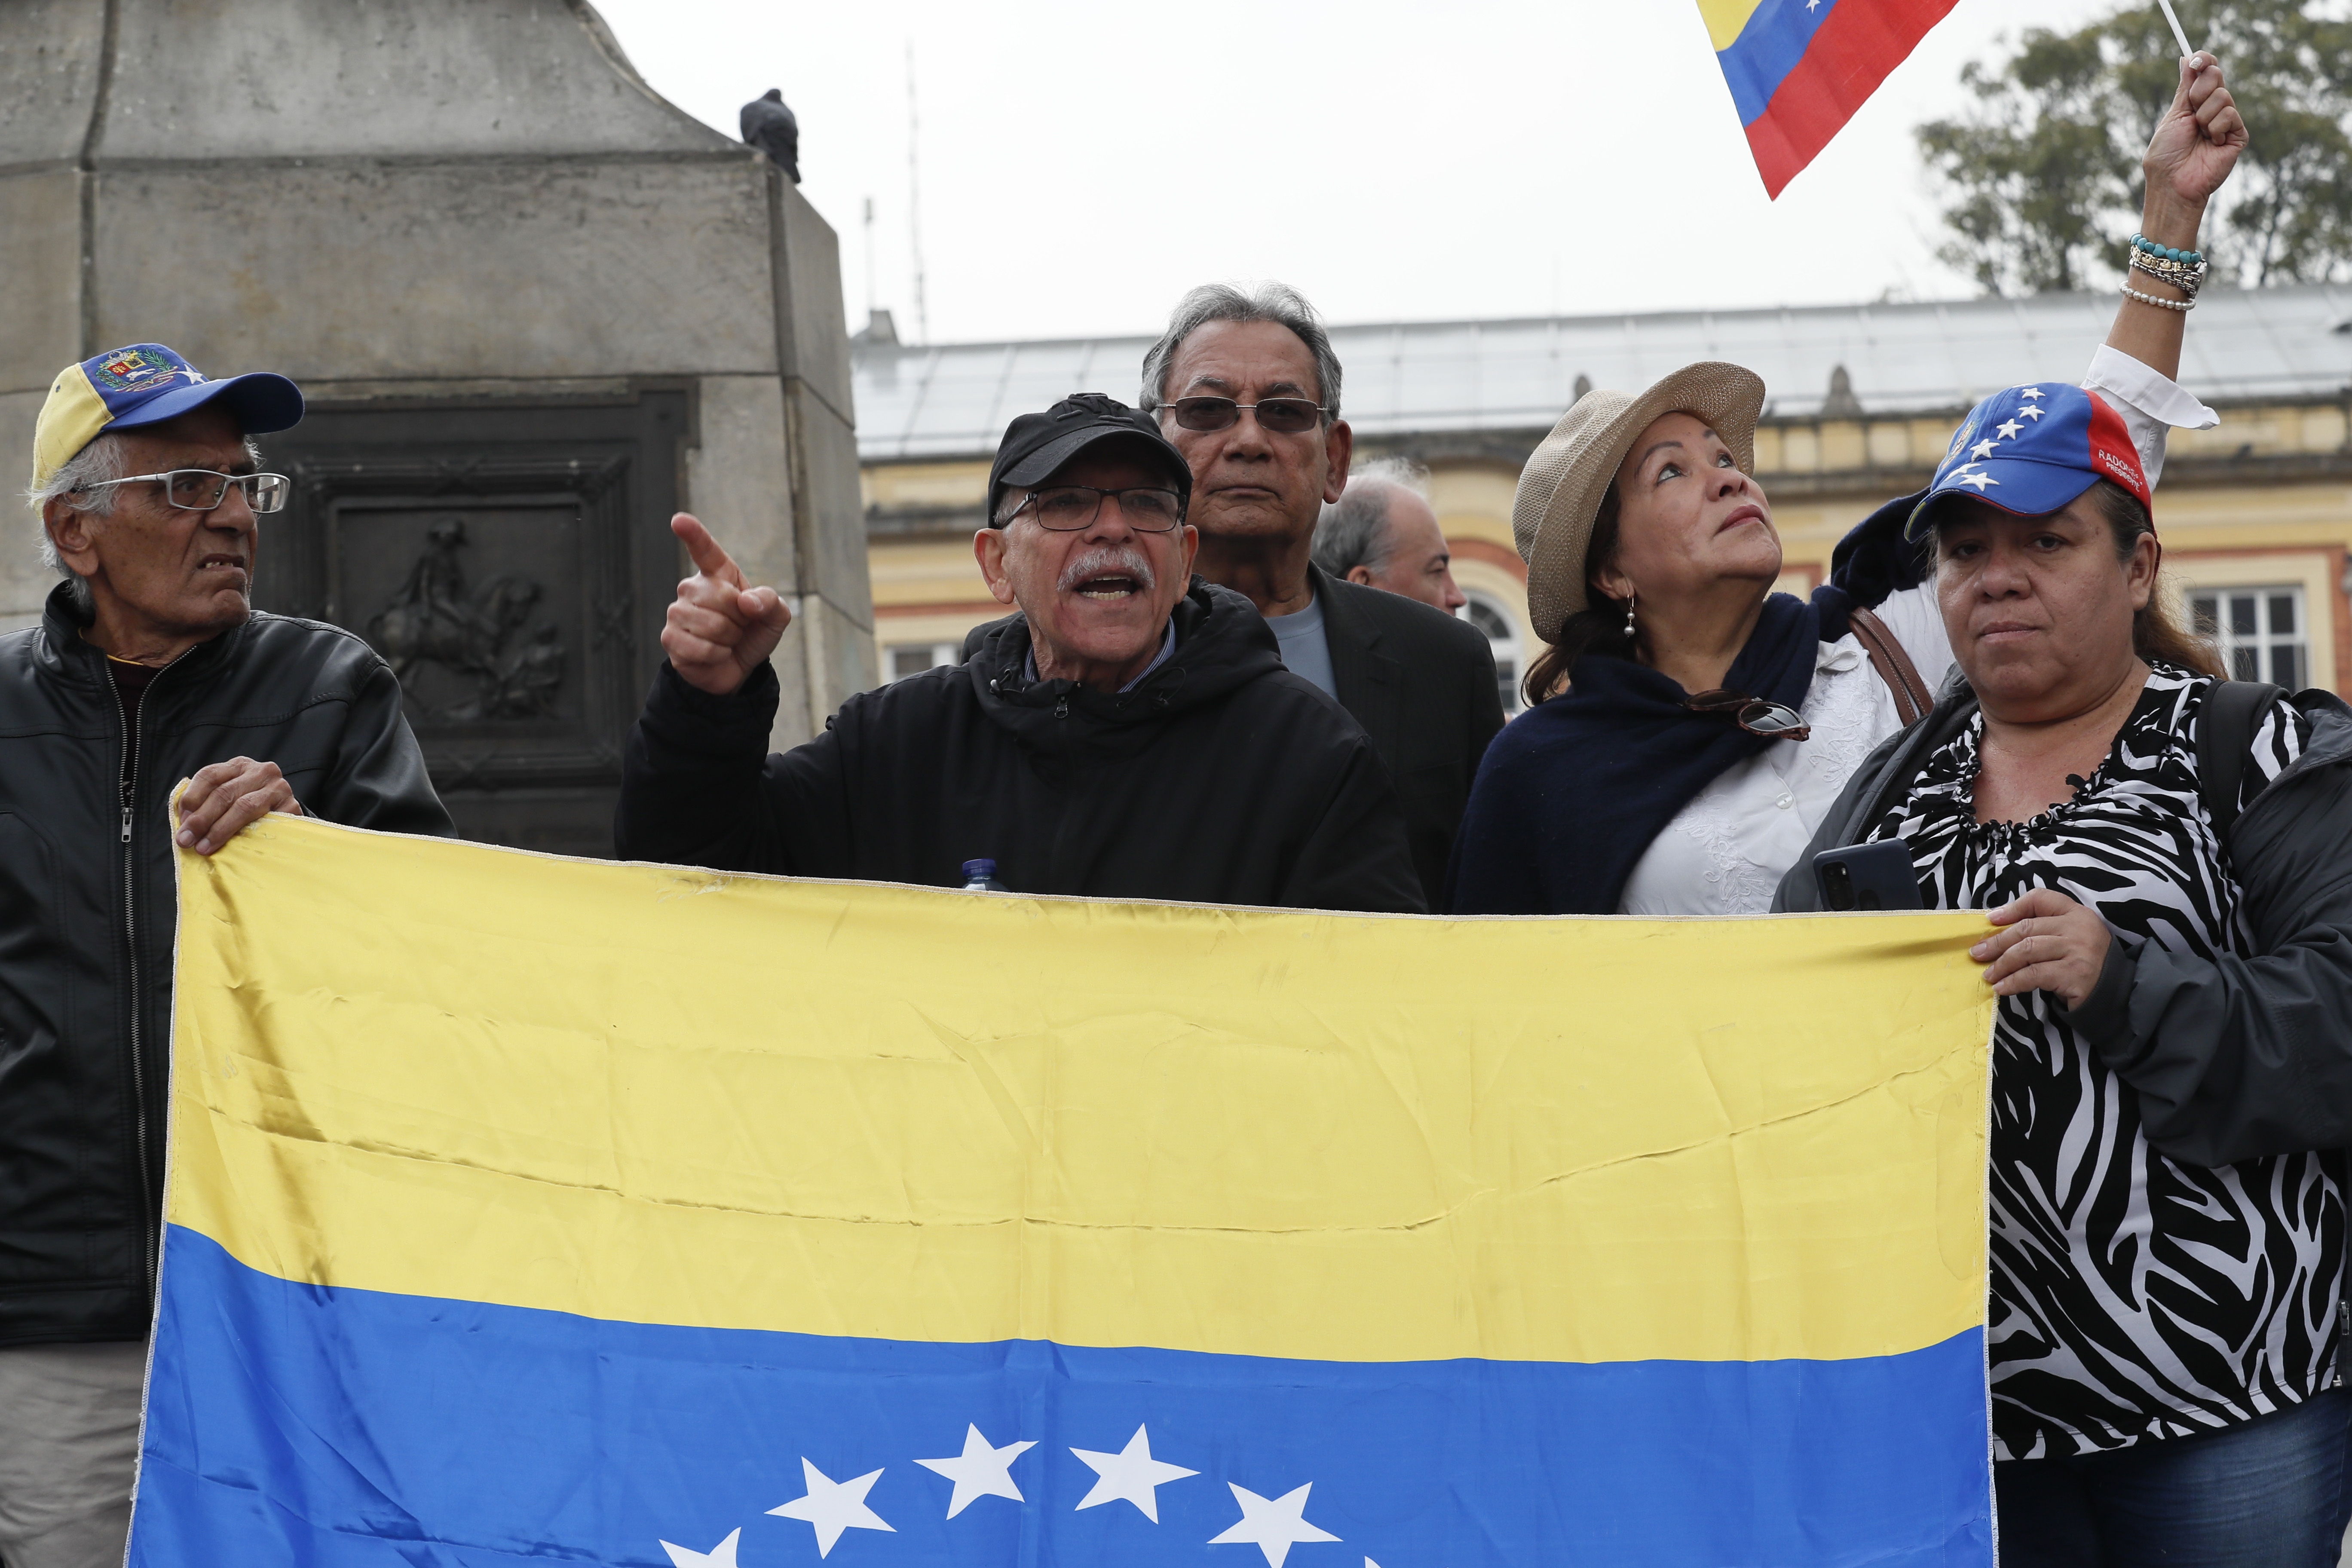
(1283, 415)
(202, 489)
(1757, 716)
(1066, 509)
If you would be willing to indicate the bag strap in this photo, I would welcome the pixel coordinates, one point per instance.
(2226, 723)
(1912, 697)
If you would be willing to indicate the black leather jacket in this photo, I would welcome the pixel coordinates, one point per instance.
(87, 904)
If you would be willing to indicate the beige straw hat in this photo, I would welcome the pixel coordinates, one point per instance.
(1562, 487)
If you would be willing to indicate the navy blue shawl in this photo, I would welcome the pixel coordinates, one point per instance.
(1573, 790)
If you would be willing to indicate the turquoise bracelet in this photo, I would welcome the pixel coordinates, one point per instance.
(2193, 258)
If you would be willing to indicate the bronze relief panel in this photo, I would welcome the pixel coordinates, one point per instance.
(512, 562)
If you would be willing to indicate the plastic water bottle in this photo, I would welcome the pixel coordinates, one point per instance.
(980, 877)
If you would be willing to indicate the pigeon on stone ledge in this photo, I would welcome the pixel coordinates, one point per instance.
(769, 126)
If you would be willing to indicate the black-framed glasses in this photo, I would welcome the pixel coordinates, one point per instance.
(1284, 415)
(1773, 720)
(1066, 509)
(202, 489)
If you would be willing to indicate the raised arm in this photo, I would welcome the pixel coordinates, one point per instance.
(2195, 146)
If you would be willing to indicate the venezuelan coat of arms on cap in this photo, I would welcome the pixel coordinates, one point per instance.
(134, 368)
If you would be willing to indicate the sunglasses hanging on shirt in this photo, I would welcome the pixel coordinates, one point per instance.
(1773, 720)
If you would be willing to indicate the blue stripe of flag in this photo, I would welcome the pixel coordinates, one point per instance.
(1776, 38)
(330, 1427)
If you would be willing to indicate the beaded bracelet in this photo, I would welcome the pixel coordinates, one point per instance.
(2188, 280)
(2163, 269)
(2142, 242)
(2132, 293)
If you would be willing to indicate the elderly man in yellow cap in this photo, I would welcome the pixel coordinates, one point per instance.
(149, 666)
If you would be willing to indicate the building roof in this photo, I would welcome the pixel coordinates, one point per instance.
(953, 400)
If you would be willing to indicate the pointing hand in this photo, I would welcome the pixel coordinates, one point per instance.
(720, 630)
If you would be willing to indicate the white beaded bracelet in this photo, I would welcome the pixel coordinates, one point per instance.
(2181, 305)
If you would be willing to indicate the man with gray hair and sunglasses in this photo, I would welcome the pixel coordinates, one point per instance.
(1246, 385)
(149, 666)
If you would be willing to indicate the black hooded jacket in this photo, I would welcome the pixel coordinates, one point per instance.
(89, 902)
(1220, 778)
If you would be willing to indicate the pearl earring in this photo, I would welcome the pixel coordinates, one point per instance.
(1629, 617)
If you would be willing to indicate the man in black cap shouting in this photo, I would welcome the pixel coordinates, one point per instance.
(1130, 733)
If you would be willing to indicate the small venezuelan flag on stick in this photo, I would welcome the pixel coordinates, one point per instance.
(1799, 68)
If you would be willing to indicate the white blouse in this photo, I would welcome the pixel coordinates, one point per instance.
(1726, 852)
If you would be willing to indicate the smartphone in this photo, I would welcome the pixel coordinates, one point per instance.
(1867, 876)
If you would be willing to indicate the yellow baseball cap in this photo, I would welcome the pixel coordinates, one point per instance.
(147, 383)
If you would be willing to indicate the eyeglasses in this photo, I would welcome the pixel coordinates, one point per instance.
(1772, 720)
(1066, 509)
(1284, 415)
(202, 489)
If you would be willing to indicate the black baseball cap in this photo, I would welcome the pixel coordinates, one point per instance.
(1035, 446)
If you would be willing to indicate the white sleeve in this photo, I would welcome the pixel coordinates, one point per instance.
(1918, 622)
(2150, 404)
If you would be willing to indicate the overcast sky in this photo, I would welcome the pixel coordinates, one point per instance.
(1081, 164)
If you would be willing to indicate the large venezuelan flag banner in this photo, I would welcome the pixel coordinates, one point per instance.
(1799, 68)
(536, 1210)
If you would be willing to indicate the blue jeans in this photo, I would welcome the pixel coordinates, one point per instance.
(2272, 1493)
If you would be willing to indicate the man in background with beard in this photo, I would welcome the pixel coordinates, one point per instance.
(1131, 732)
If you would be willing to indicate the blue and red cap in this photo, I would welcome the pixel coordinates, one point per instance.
(147, 383)
(2032, 449)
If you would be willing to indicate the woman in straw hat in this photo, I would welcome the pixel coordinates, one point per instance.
(1709, 723)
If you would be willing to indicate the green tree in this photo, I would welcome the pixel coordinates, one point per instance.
(2042, 177)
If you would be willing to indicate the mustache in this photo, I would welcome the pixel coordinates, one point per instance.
(1123, 559)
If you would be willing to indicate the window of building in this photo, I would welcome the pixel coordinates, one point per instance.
(1503, 632)
(2261, 632)
(913, 658)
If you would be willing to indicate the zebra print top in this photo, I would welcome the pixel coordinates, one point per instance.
(2131, 1297)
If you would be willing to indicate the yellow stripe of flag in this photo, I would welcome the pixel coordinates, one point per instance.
(1726, 19)
(672, 1096)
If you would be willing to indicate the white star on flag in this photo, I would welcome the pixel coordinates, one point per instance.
(719, 1556)
(2028, 392)
(1131, 1473)
(1982, 450)
(2031, 411)
(1273, 1525)
(834, 1506)
(1980, 481)
(2010, 430)
(979, 1471)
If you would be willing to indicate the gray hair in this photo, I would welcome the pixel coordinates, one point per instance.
(102, 459)
(105, 457)
(1354, 530)
(1276, 302)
